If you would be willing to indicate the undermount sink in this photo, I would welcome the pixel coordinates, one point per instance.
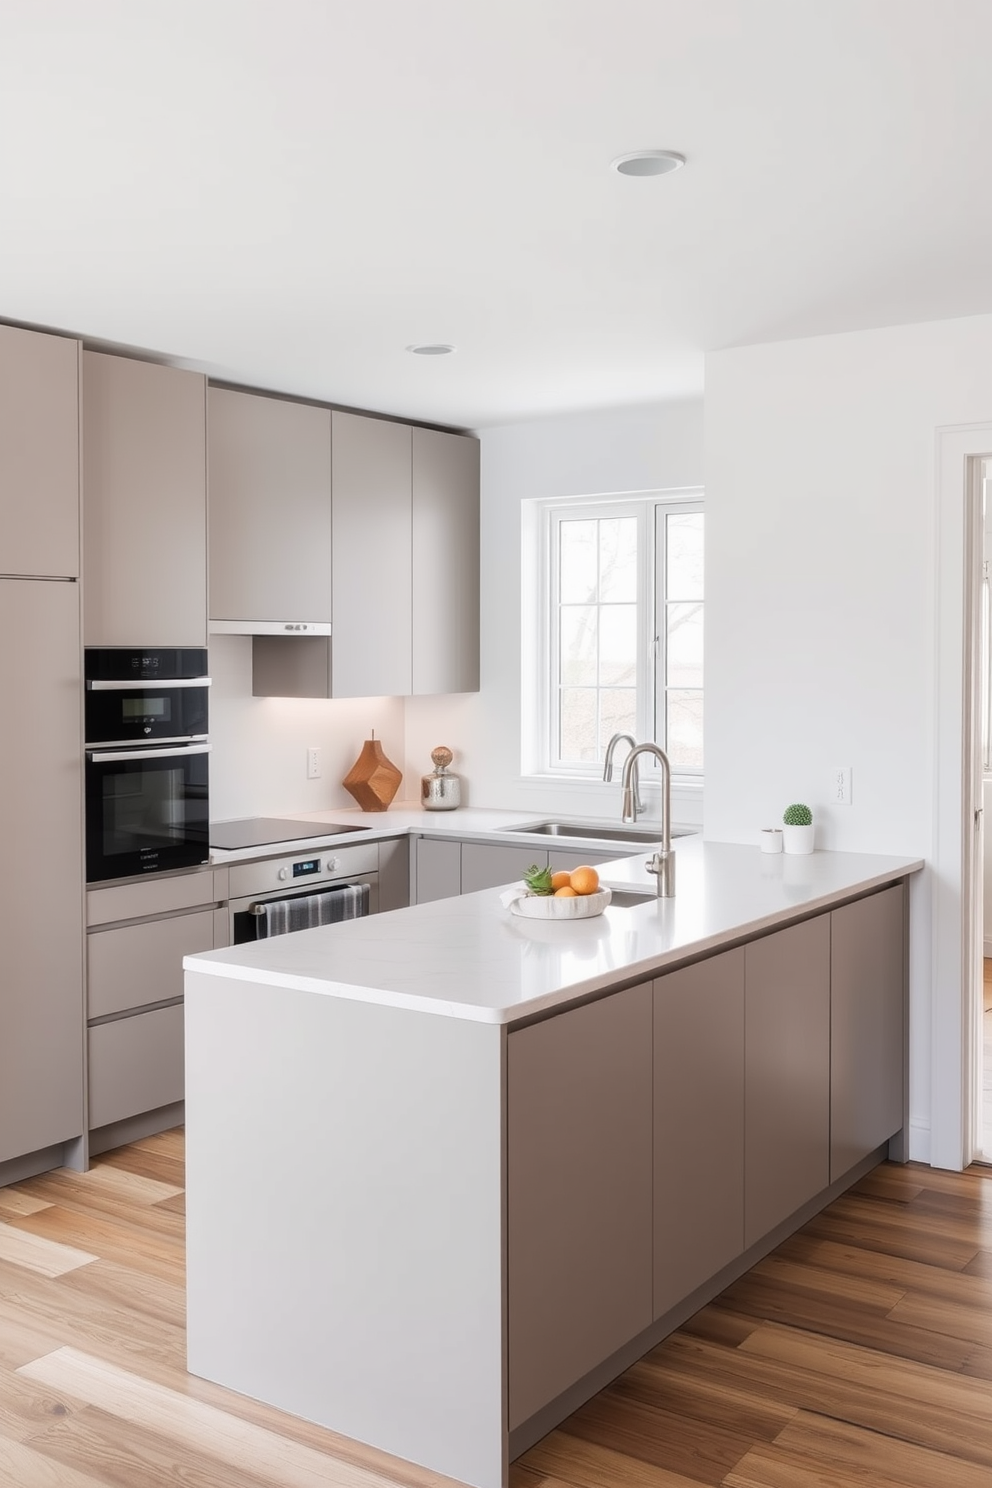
(631, 898)
(597, 831)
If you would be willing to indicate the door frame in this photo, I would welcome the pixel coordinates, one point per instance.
(955, 1022)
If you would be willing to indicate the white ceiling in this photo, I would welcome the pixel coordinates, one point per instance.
(286, 193)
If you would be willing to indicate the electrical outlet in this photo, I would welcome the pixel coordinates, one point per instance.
(840, 785)
(313, 763)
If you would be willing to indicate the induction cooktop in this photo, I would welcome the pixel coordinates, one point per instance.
(259, 831)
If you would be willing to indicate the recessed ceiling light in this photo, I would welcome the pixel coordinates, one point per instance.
(647, 163)
(432, 348)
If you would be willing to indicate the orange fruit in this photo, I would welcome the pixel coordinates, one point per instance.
(566, 892)
(561, 880)
(584, 880)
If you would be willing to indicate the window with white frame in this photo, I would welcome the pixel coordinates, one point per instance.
(624, 616)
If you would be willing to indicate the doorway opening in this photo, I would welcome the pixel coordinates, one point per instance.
(983, 1123)
(955, 881)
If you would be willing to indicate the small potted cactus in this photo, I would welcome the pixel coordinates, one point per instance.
(797, 829)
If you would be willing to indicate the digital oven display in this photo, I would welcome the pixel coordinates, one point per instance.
(302, 870)
(143, 708)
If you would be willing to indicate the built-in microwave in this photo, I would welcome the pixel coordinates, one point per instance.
(143, 696)
(147, 777)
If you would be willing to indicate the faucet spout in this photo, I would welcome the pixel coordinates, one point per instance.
(616, 739)
(662, 865)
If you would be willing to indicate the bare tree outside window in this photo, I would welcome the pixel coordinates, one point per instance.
(627, 621)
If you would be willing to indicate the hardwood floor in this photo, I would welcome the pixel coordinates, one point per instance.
(859, 1352)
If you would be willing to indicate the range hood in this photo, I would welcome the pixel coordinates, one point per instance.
(288, 658)
(270, 627)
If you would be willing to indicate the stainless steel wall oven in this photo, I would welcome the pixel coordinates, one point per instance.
(274, 895)
(147, 779)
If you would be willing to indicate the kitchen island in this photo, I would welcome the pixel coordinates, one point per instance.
(502, 1158)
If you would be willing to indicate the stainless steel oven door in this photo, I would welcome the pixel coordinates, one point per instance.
(146, 810)
(248, 921)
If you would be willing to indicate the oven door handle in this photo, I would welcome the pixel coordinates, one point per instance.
(144, 684)
(101, 756)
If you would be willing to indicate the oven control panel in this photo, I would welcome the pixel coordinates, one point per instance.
(306, 868)
(263, 875)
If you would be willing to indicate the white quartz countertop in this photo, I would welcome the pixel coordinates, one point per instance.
(470, 958)
(487, 824)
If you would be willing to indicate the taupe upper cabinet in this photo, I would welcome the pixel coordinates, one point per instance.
(144, 503)
(445, 562)
(270, 509)
(406, 559)
(39, 454)
(373, 578)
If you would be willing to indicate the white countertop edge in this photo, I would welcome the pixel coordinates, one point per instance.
(347, 991)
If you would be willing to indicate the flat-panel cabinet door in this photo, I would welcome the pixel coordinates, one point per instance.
(868, 991)
(787, 1073)
(145, 503)
(445, 562)
(41, 906)
(578, 1193)
(698, 1124)
(487, 865)
(39, 454)
(439, 869)
(270, 508)
(394, 875)
(371, 654)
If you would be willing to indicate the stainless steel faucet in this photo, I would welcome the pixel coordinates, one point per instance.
(663, 862)
(608, 765)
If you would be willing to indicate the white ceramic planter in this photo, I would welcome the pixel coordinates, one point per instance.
(798, 839)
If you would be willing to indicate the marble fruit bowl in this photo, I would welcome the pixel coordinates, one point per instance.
(547, 907)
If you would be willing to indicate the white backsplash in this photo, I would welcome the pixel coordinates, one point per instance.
(259, 745)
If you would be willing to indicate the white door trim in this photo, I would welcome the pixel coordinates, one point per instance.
(955, 903)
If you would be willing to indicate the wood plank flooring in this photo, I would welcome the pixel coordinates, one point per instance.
(859, 1352)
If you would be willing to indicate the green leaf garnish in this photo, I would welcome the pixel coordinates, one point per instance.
(538, 880)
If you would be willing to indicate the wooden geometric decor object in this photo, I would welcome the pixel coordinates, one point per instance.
(373, 780)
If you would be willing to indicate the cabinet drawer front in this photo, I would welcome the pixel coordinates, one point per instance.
(136, 1065)
(133, 901)
(134, 965)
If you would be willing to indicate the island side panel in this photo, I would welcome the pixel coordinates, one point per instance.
(344, 1217)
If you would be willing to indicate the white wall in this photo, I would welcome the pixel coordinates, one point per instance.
(645, 448)
(822, 606)
(258, 759)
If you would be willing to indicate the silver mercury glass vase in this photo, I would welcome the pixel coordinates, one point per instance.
(441, 790)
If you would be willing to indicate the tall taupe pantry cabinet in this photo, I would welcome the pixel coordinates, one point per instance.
(41, 992)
